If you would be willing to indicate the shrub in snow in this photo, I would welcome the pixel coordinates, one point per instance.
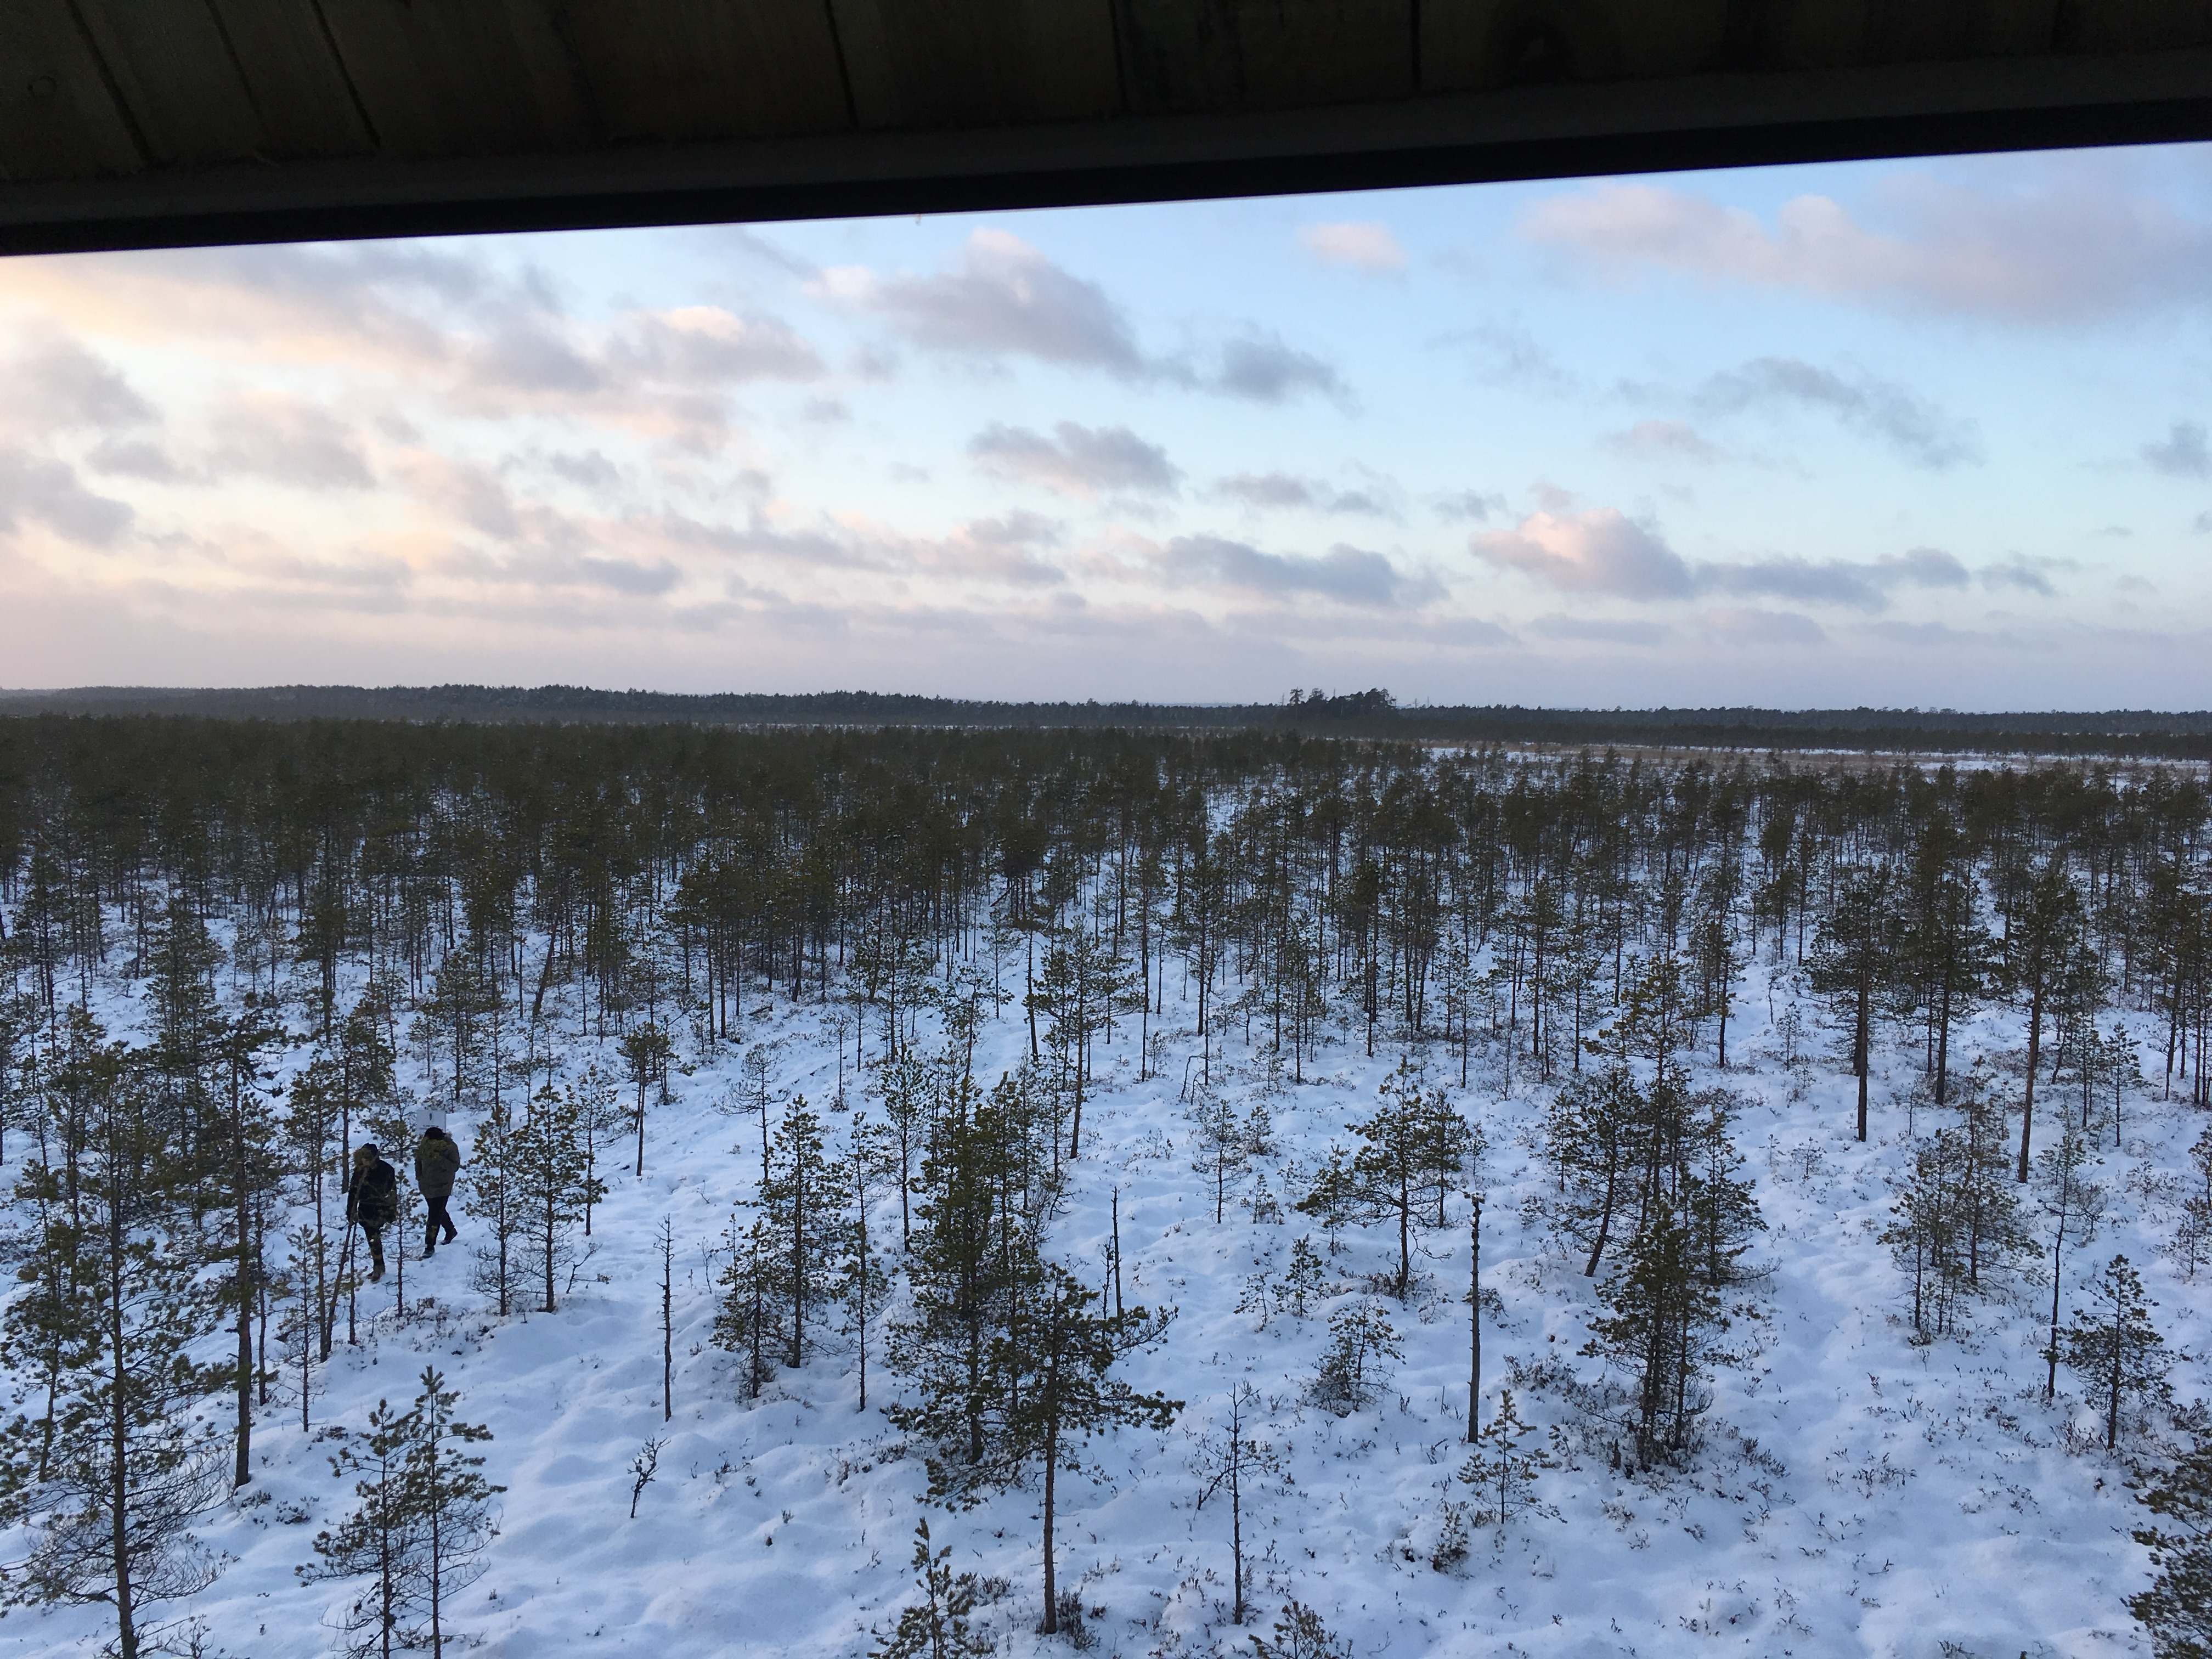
(1362, 1344)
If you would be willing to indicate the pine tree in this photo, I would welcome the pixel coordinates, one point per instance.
(123, 1458)
(1060, 1355)
(2192, 1234)
(1362, 1343)
(378, 1541)
(594, 1100)
(421, 1529)
(648, 1051)
(974, 1260)
(1502, 1471)
(550, 1167)
(2113, 1347)
(251, 1171)
(1300, 1633)
(1304, 1280)
(2177, 1608)
(1856, 961)
(1228, 1454)
(1412, 1153)
(863, 1286)
(498, 1198)
(782, 1281)
(936, 1627)
(1662, 1315)
(2075, 1204)
(1222, 1155)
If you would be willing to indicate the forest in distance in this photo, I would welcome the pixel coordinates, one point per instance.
(1373, 713)
(1177, 1192)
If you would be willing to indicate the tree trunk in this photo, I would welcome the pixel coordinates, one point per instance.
(2034, 1047)
(1475, 1320)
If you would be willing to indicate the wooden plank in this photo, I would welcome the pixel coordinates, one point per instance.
(978, 63)
(293, 74)
(58, 116)
(168, 63)
(461, 77)
(688, 69)
(1190, 55)
(1468, 44)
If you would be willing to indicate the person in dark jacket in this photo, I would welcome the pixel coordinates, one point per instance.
(371, 1191)
(437, 1160)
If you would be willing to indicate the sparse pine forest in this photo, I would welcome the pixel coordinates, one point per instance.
(927, 1192)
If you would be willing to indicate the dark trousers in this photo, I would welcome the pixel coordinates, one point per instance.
(373, 1231)
(438, 1218)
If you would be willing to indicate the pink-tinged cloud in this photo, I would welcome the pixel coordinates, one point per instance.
(2070, 251)
(1364, 244)
(1599, 551)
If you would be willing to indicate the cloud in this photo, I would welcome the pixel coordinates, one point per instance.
(1663, 440)
(2181, 454)
(1471, 504)
(1863, 586)
(1006, 297)
(1506, 354)
(1081, 461)
(134, 457)
(1260, 368)
(1350, 575)
(1607, 630)
(1004, 549)
(1364, 245)
(35, 490)
(1752, 627)
(1892, 415)
(1599, 551)
(286, 441)
(2073, 246)
(706, 345)
(589, 470)
(2025, 574)
(55, 384)
(1285, 490)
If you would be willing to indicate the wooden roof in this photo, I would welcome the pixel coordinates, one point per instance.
(133, 123)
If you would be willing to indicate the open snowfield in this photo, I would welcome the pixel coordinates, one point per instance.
(1853, 1493)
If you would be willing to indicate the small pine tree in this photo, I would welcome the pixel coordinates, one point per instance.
(1300, 1634)
(1227, 1455)
(1305, 1281)
(550, 1169)
(1222, 1151)
(375, 1540)
(1661, 1314)
(2192, 1235)
(497, 1197)
(421, 1529)
(1362, 1344)
(1503, 1472)
(598, 1106)
(2113, 1347)
(936, 1627)
(2177, 1608)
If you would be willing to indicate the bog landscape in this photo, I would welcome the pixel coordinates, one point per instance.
(1155, 1191)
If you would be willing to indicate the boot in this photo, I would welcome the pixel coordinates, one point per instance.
(430, 1244)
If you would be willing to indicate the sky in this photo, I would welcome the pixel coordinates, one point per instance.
(1927, 433)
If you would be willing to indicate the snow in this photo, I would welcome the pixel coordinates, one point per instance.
(1855, 1494)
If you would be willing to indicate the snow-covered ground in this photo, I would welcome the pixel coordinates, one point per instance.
(1856, 1493)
